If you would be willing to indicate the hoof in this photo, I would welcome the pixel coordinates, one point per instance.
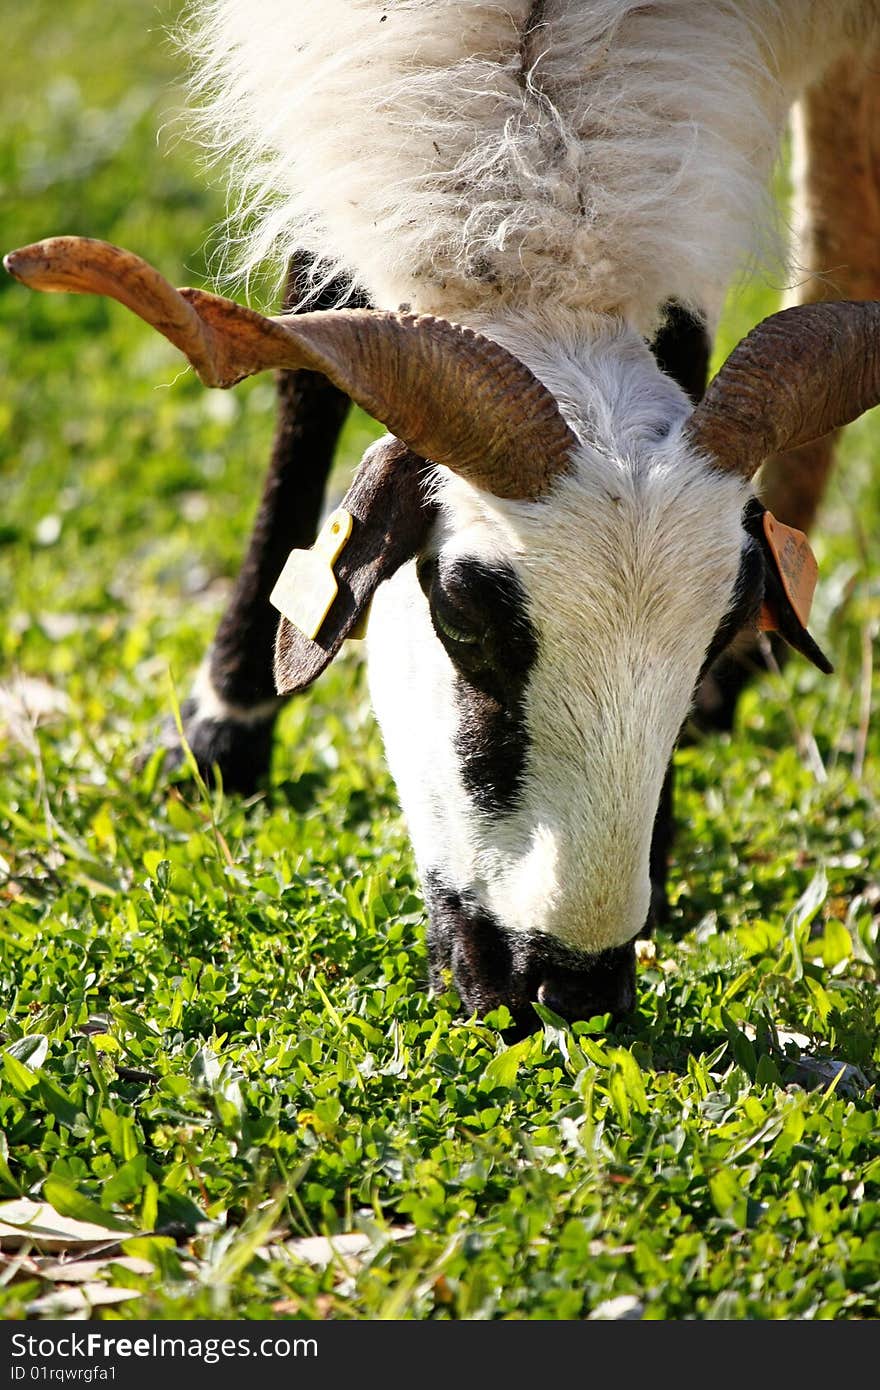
(240, 752)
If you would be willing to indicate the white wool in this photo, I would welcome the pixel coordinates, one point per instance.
(443, 156)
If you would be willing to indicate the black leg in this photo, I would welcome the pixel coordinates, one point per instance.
(682, 350)
(230, 716)
(661, 844)
(718, 695)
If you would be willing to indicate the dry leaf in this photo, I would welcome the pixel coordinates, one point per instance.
(81, 1271)
(323, 1250)
(78, 1300)
(812, 1070)
(24, 1222)
(626, 1307)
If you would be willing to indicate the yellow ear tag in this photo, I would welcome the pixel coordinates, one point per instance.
(307, 586)
(797, 569)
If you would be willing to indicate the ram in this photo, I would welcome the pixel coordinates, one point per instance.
(556, 543)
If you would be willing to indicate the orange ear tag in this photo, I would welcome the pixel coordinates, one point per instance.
(797, 569)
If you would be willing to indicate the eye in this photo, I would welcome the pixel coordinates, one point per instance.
(450, 621)
(466, 637)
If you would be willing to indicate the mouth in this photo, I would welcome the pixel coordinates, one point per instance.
(491, 967)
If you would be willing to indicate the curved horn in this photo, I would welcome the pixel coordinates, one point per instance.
(799, 374)
(450, 394)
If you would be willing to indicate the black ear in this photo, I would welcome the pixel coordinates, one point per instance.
(789, 581)
(390, 520)
(783, 618)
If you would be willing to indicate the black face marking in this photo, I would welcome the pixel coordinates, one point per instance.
(479, 614)
(491, 966)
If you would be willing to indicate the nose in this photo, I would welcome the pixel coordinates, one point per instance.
(491, 966)
(605, 984)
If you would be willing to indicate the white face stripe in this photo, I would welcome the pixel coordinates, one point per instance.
(628, 568)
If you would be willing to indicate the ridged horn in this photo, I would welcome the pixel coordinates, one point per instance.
(799, 374)
(450, 394)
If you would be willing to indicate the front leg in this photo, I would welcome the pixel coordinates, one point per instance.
(229, 718)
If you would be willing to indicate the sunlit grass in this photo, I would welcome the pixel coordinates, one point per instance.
(215, 1022)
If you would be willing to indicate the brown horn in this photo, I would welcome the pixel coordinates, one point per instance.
(450, 394)
(799, 374)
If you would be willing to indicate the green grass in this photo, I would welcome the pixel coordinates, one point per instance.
(265, 962)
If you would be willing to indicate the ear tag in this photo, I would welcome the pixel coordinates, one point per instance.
(797, 569)
(307, 586)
